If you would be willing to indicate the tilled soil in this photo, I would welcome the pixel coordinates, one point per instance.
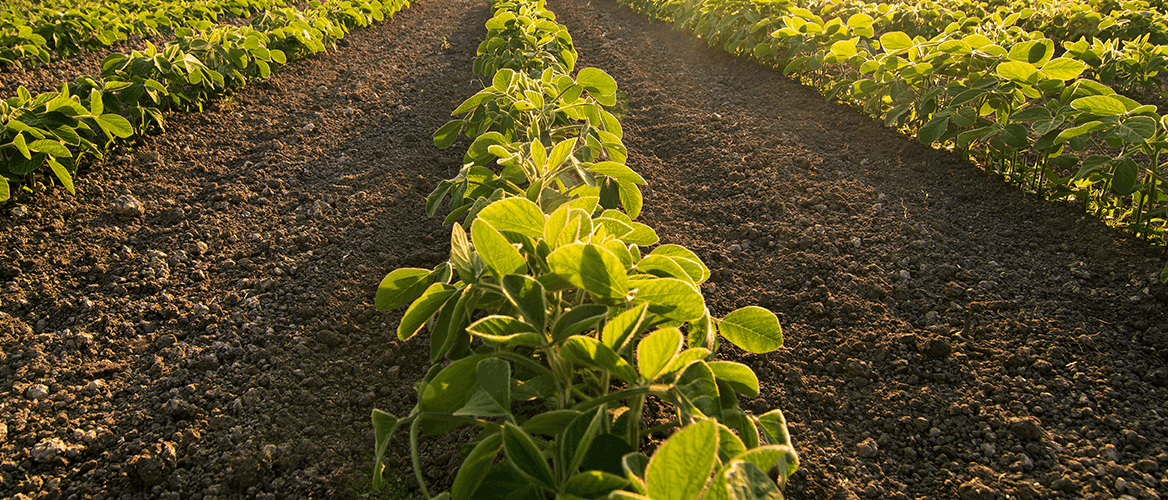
(947, 336)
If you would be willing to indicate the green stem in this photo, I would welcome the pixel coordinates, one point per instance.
(636, 407)
(616, 396)
(416, 459)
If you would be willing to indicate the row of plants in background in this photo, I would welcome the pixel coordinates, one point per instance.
(552, 322)
(33, 35)
(44, 136)
(1005, 98)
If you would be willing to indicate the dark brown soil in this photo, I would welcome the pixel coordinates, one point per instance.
(947, 335)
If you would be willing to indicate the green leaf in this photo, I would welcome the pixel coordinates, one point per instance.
(740, 377)
(62, 174)
(494, 376)
(682, 465)
(502, 329)
(745, 481)
(1018, 71)
(504, 482)
(423, 309)
(688, 260)
(605, 454)
(633, 464)
(1099, 105)
(844, 48)
(497, 253)
(475, 467)
(729, 444)
(663, 267)
(1135, 129)
(617, 171)
(550, 423)
(933, 130)
(860, 21)
(599, 84)
(502, 79)
(526, 457)
(560, 153)
(631, 199)
(384, 425)
(589, 351)
(519, 215)
(894, 41)
(1125, 178)
(656, 351)
(528, 297)
(578, 319)
(594, 484)
(577, 438)
(1063, 68)
(592, 268)
(765, 457)
(752, 328)
(446, 134)
(626, 325)
(450, 389)
(480, 404)
(697, 385)
(774, 427)
(671, 298)
(115, 125)
(684, 358)
(1085, 128)
(22, 145)
(50, 147)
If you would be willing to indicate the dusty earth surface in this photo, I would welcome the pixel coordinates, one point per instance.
(947, 336)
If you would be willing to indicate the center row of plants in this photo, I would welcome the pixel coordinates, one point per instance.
(558, 315)
(1047, 118)
(45, 136)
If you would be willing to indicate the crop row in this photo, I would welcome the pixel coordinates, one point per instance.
(45, 135)
(1061, 20)
(557, 319)
(1033, 116)
(31, 34)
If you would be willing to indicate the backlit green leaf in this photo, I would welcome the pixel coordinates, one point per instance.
(515, 214)
(682, 465)
(656, 351)
(423, 309)
(1063, 68)
(740, 377)
(401, 286)
(589, 351)
(1100, 105)
(577, 320)
(592, 268)
(617, 331)
(495, 250)
(752, 328)
(894, 41)
(671, 298)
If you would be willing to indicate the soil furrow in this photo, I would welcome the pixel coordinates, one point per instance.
(218, 339)
(947, 335)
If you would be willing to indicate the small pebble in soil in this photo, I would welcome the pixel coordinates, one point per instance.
(37, 392)
(127, 206)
